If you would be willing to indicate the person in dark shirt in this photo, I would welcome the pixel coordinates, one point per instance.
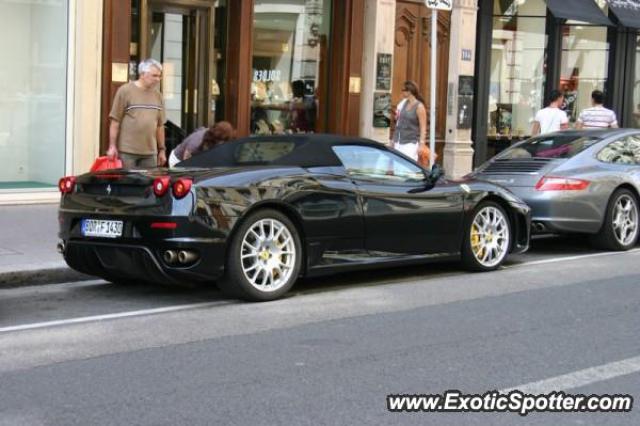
(201, 140)
(302, 109)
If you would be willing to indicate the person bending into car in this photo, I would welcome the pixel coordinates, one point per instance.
(202, 140)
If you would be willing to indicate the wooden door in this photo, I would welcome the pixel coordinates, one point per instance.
(412, 59)
(115, 39)
(183, 44)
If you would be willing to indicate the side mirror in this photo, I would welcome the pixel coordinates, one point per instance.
(435, 174)
(430, 180)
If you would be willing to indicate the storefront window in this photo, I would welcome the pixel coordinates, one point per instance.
(635, 122)
(33, 87)
(289, 65)
(517, 69)
(584, 66)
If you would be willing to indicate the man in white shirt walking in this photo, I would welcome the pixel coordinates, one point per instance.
(597, 117)
(551, 118)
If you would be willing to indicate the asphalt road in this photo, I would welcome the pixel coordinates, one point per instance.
(97, 353)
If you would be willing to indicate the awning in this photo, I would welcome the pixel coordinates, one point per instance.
(579, 10)
(627, 12)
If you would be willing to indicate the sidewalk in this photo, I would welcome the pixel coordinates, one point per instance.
(28, 238)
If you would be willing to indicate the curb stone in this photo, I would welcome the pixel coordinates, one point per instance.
(33, 277)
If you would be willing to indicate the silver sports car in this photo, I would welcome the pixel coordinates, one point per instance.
(584, 181)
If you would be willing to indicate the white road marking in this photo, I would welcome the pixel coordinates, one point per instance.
(81, 320)
(569, 258)
(581, 378)
(154, 311)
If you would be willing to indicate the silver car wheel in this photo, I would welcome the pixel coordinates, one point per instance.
(489, 236)
(625, 220)
(268, 255)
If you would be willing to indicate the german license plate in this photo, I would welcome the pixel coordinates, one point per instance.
(101, 228)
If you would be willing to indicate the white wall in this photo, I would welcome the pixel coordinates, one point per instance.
(84, 116)
(379, 37)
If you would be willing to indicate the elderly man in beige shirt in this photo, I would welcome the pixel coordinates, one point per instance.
(136, 133)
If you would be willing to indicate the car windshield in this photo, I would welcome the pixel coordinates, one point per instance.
(550, 146)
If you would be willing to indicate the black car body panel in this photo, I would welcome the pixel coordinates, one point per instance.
(345, 223)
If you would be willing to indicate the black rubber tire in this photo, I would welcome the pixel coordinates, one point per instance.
(605, 239)
(234, 283)
(469, 261)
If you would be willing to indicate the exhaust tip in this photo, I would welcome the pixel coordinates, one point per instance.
(60, 247)
(170, 257)
(186, 256)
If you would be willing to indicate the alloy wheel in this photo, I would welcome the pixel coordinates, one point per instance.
(489, 236)
(268, 255)
(625, 220)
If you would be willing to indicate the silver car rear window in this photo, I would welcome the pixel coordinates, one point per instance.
(550, 146)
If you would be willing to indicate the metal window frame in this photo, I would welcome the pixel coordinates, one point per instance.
(484, 37)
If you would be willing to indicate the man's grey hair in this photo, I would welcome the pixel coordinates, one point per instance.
(145, 66)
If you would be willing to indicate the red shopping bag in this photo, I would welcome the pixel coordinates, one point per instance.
(106, 163)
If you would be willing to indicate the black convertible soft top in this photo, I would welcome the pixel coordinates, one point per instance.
(302, 150)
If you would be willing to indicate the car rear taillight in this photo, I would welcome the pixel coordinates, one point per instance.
(161, 185)
(67, 184)
(181, 187)
(552, 183)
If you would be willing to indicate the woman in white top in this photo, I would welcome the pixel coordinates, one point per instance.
(551, 118)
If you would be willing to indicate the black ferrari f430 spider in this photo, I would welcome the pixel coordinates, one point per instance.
(255, 214)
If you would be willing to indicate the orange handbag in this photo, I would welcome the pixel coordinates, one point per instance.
(106, 163)
(424, 154)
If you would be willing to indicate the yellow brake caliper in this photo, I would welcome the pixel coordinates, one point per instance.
(475, 241)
